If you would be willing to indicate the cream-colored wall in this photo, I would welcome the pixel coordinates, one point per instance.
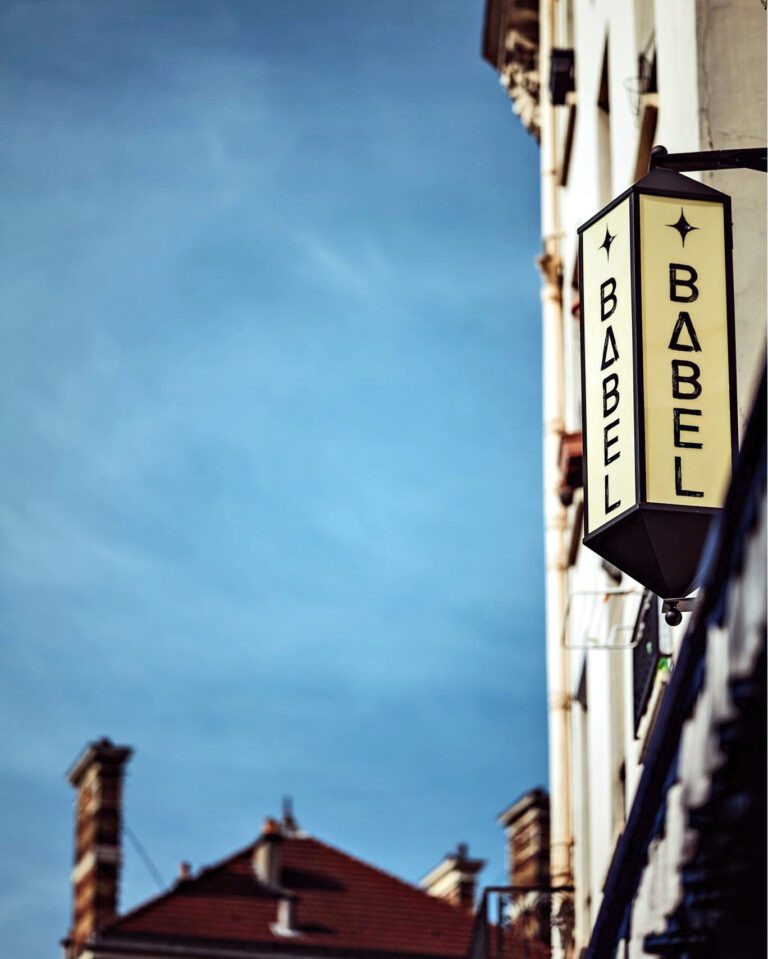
(713, 99)
(732, 114)
(678, 122)
(599, 733)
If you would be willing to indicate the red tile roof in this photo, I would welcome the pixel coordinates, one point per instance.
(344, 907)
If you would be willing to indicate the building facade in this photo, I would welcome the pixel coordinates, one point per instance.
(599, 83)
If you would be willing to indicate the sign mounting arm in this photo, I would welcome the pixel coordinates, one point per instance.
(748, 159)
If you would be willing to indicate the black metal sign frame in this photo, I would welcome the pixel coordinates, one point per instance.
(644, 519)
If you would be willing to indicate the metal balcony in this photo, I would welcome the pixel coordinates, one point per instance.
(523, 922)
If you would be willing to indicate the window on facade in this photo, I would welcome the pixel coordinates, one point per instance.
(644, 100)
(604, 165)
(645, 654)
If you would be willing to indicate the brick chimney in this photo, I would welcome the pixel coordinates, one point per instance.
(454, 878)
(526, 823)
(98, 778)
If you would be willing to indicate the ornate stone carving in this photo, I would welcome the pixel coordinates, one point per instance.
(519, 75)
(511, 46)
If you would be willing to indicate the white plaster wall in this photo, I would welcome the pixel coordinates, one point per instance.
(715, 100)
(598, 800)
(600, 766)
(678, 123)
(571, 350)
(579, 767)
(624, 47)
(732, 114)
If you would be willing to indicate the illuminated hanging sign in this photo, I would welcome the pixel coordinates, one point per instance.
(658, 376)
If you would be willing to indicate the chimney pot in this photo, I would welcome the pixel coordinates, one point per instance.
(267, 856)
(286, 917)
(455, 878)
(185, 870)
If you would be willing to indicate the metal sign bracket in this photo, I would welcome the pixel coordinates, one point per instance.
(748, 159)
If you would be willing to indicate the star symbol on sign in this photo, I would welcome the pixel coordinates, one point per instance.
(682, 226)
(606, 244)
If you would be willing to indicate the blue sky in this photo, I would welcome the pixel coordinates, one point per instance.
(270, 505)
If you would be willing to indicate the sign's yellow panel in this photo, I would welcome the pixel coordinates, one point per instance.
(608, 366)
(685, 351)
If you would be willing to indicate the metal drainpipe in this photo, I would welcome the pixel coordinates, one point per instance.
(561, 839)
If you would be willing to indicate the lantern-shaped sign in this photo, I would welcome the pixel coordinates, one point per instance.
(658, 376)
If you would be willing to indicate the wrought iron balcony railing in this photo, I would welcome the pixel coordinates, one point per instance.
(523, 922)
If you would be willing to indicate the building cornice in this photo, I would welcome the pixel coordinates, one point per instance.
(511, 46)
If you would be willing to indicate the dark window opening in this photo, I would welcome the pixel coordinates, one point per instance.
(603, 96)
(645, 654)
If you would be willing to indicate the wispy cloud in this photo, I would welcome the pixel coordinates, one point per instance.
(362, 273)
